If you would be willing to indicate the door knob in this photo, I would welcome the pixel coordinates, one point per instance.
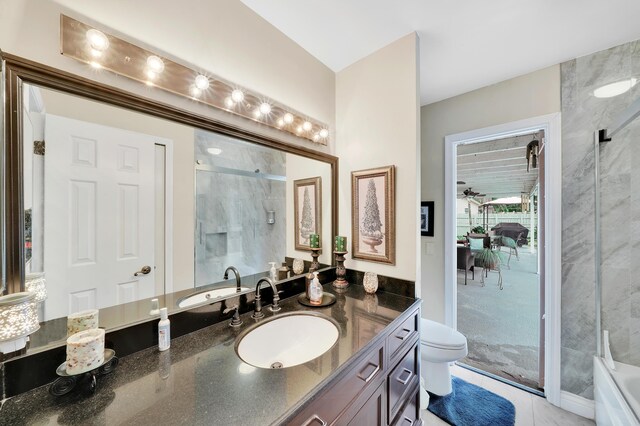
(144, 271)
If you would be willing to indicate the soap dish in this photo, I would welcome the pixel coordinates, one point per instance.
(108, 356)
(327, 299)
(67, 382)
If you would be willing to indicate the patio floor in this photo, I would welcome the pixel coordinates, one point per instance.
(502, 326)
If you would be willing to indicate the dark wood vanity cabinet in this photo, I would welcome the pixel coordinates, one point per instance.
(380, 387)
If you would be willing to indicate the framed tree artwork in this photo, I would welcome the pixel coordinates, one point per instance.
(373, 224)
(307, 210)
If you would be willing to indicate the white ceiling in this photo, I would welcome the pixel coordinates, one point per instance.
(496, 168)
(464, 44)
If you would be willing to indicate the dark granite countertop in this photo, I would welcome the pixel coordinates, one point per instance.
(202, 381)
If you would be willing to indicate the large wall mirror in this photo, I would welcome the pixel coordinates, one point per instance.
(115, 200)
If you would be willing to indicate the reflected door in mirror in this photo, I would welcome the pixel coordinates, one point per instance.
(99, 211)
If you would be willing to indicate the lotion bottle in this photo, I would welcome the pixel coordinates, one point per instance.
(164, 331)
(315, 290)
(273, 273)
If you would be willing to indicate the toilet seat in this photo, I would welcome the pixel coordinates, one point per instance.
(439, 336)
(443, 347)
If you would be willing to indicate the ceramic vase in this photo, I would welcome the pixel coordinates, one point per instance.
(370, 282)
(298, 266)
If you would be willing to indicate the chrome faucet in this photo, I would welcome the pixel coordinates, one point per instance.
(237, 274)
(257, 312)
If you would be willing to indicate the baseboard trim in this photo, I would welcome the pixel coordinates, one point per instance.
(577, 405)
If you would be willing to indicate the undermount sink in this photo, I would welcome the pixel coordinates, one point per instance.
(209, 296)
(287, 340)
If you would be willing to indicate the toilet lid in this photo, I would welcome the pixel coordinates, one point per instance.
(440, 336)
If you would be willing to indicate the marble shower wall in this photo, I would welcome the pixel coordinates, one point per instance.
(582, 114)
(231, 209)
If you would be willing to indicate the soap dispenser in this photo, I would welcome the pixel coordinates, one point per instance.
(315, 290)
(273, 273)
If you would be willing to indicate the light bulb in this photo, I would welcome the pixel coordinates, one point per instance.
(195, 92)
(615, 89)
(155, 64)
(151, 75)
(299, 129)
(229, 102)
(95, 65)
(237, 95)
(316, 137)
(265, 108)
(256, 113)
(280, 122)
(306, 126)
(288, 118)
(97, 40)
(96, 53)
(149, 83)
(324, 133)
(202, 82)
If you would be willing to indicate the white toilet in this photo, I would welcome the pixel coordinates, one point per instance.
(440, 345)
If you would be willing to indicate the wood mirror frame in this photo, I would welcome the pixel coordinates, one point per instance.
(16, 71)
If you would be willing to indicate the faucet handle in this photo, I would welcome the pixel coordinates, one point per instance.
(235, 321)
(275, 306)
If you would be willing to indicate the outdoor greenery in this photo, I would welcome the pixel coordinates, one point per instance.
(489, 259)
(478, 230)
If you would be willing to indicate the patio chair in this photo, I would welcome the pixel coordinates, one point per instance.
(466, 262)
(486, 241)
(511, 244)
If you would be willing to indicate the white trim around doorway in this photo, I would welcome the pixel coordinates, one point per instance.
(168, 213)
(550, 123)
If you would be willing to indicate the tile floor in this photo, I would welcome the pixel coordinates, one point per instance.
(530, 409)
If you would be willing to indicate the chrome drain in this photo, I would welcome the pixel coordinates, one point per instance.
(276, 365)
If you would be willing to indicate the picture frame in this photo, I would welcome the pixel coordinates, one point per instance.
(373, 224)
(426, 218)
(307, 210)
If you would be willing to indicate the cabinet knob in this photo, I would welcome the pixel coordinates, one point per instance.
(368, 378)
(314, 419)
(404, 381)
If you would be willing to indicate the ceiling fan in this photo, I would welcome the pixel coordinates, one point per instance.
(468, 193)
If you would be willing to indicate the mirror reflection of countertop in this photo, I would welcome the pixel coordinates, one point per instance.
(202, 381)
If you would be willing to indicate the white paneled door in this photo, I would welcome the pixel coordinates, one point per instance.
(99, 216)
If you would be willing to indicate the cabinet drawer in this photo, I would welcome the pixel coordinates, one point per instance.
(334, 400)
(402, 380)
(405, 332)
(410, 414)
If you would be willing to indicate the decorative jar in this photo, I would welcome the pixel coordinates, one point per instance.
(370, 282)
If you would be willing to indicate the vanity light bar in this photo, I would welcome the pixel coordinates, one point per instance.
(101, 50)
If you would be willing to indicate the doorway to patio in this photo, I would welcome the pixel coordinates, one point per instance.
(499, 248)
(549, 237)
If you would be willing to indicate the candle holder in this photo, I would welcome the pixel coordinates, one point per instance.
(315, 252)
(341, 271)
(67, 382)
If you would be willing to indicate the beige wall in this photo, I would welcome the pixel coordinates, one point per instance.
(377, 107)
(522, 97)
(223, 37)
(183, 168)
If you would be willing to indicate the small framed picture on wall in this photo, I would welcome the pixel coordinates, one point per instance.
(307, 210)
(426, 218)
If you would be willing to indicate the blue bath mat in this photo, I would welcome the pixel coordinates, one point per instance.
(471, 405)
